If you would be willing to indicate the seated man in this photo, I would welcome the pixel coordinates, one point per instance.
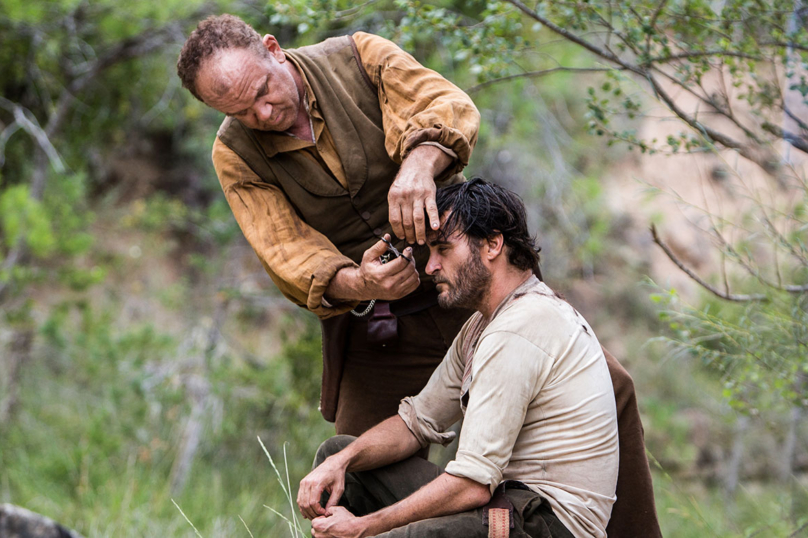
(530, 380)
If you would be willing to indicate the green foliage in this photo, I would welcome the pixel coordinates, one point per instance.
(24, 220)
(758, 350)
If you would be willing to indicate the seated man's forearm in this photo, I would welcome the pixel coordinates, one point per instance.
(387, 442)
(446, 495)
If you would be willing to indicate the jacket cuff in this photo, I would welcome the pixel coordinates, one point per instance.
(424, 430)
(475, 467)
(451, 139)
(316, 301)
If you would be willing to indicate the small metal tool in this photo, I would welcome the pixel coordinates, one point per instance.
(392, 253)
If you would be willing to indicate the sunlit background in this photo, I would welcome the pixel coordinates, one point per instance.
(143, 350)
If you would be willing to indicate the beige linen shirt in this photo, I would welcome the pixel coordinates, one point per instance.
(539, 409)
(418, 107)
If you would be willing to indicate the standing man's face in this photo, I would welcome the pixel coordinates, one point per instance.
(457, 268)
(258, 91)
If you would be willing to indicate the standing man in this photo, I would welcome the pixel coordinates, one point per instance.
(529, 378)
(325, 150)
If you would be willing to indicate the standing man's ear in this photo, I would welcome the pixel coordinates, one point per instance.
(274, 47)
(494, 246)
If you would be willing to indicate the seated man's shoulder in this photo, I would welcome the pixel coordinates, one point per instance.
(541, 315)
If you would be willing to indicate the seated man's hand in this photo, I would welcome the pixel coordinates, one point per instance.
(391, 280)
(330, 477)
(338, 522)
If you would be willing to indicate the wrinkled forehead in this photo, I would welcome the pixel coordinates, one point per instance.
(230, 63)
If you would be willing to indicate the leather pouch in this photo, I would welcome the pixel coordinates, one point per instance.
(382, 325)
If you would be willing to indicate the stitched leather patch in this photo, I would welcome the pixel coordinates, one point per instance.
(499, 524)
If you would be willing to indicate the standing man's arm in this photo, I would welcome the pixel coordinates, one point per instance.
(305, 266)
(430, 127)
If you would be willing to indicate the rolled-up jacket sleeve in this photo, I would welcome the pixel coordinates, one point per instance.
(300, 260)
(418, 105)
(507, 373)
(429, 414)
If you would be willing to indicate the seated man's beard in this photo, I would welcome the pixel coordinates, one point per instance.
(469, 287)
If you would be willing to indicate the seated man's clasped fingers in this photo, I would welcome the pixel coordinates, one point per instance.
(322, 479)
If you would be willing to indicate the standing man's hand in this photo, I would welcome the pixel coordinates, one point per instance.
(413, 193)
(388, 281)
(374, 279)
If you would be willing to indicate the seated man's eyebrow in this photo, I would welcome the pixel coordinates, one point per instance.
(437, 241)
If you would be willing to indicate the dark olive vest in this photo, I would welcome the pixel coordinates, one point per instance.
(351, 219)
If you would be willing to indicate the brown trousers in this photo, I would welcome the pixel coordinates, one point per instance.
(372, 380)
(370, 491)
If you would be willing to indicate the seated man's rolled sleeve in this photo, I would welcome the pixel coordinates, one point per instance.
(437, 406)
(507, 374)
(300, 260)
(418, 105)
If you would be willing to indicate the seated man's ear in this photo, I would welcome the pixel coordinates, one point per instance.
(494, 246)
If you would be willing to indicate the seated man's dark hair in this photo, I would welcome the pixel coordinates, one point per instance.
(214, 34)
(481, 210)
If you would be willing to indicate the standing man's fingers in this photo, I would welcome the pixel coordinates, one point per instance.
(418, 217)
(395, 219)
(432, 211)
(376, 249)
(406, 222)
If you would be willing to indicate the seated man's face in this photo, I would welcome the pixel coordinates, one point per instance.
(457, 268)
(257, 91)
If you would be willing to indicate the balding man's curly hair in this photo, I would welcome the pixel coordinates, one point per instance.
(215, 34)
(482, 210)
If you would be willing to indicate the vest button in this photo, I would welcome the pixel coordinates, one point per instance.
(366, 215)
(377, 232)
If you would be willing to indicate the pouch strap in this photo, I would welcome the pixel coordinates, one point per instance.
(498, 514)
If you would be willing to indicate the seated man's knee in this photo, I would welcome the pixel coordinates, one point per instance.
(332, 446)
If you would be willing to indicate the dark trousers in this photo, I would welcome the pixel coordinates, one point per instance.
(370, 491)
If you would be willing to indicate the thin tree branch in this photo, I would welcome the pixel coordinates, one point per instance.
(800, 122)
(712, 134)
(352, 11)
(711, 102)
(701, 54)
(577, 39)
(784, 45)
(657, 13)
(533, 74)
(790, 288)
(9, 130)
(27, 121)
(795, 140)
(689, 272)
(705, 130)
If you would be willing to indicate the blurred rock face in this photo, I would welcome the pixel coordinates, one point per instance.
(16, 522)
